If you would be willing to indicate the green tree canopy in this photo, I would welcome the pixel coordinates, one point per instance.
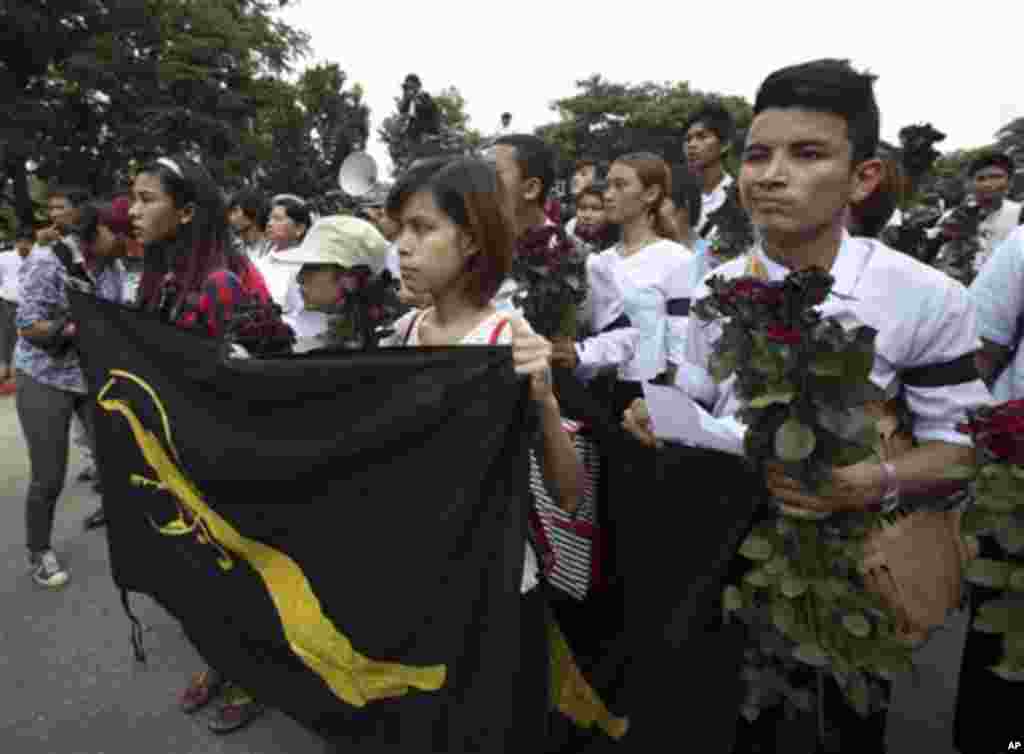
(605, 118)
(96, 87)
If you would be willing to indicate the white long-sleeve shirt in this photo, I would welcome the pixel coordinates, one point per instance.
(639, 286)
(923, 318)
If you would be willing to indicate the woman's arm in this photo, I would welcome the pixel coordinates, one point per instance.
(560, 464)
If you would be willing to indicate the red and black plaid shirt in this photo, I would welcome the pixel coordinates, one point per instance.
(222, 292)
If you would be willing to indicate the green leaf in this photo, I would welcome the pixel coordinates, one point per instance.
(1008, 672)
(768, 399)
(794, 441)
(811, 654)
(1016, 580)
(756, 548)
(990, 573)
(960, 472)
(784, 616)
(857, 625)
(793, 586)
(994, 617)
(757, 577)
(1011, 538)
(732, 599)
(723, 363)
(828, 364)
(776, 566)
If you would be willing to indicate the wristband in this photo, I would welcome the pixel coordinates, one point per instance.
(890, 499)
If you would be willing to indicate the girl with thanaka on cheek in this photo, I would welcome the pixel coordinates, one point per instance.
(455, 244)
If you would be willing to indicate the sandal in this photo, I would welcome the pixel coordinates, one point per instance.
(238, 710)
(203, 688)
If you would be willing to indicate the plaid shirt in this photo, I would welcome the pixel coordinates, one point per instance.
(213, 306)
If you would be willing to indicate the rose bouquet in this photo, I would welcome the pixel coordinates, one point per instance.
(998, 514)
(366, 307)
(808, 405)
(550, 271)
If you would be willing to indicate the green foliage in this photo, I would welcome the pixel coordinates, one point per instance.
(605, 119)
(105, 86)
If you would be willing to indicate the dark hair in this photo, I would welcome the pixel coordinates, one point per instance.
(584, 162)
(714, 117)
(990, 158)
(872, 215)
(200, 247)
(686, 193)
(77, 195)
(254, 205)
(468, 191)
(652, 171)
(536, 159)
(298, 211)
(25, 233)
(412, 78)
(828, 86)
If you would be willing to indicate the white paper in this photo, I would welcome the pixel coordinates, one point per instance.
(677, 418)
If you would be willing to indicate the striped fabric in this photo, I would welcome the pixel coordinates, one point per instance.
(574, 539)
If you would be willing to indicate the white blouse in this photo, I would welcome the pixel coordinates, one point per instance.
(639, 286)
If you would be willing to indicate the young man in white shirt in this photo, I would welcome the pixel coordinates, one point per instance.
(709, 136)
(248, 214)
(10, 264)
(990, 174)
(810, 153)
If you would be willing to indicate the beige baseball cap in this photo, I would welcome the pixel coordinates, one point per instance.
(342, 240)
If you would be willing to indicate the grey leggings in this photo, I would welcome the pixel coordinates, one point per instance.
(45, 415)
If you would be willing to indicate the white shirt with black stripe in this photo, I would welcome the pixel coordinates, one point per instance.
(924, 319)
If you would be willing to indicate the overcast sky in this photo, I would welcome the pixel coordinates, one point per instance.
(956, 66)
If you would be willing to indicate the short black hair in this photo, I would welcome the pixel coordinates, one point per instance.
(254, 204)
(686, 193)
(25, 233)
(536, 159)
(77, 195)
(832, 86)
(716, 118)
(296, 209)
(991, 158)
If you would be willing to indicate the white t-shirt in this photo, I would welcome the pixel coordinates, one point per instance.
(712, 201)
(998, 294)
(923, 317)
(644, 282)
(481, 335)
(995, 229)
(10, 263)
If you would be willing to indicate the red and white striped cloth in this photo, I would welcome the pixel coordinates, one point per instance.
(574, 539)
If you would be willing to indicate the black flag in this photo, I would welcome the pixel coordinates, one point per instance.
(342, 535)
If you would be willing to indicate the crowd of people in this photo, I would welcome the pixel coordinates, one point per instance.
(812, 186)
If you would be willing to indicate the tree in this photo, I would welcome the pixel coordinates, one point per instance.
(96, 87)
(303, 132)
(605, 119)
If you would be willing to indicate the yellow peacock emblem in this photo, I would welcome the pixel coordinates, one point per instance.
(354, 678)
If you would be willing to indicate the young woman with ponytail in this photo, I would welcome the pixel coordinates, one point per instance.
(632, 301)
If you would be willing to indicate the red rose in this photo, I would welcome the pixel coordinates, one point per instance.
(784, 335)
(375, 313)
(757, 291)
(999, 430)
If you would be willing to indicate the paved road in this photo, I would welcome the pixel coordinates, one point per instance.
(68, 681)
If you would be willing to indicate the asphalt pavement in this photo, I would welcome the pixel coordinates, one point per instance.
(69, 683)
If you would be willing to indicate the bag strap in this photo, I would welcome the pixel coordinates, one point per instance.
(412, 326)
(496, 333)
